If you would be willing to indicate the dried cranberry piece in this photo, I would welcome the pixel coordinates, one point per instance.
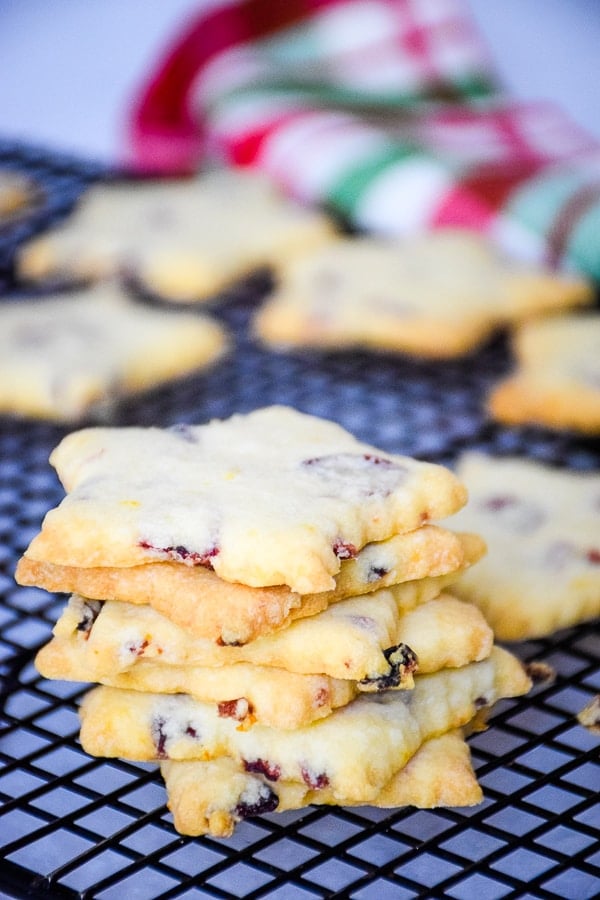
(191, 732)
(321, 697)
(267, 802)
(138, 647)
(263, 767)
(237, 709)
(159, 736)
(376, 572)
(360, 473)
(496, 503)
(314, 780)
(593, 556)
(403, 662)
(90, 612)
(344, 549)
(515, 514)
(223, 643)
(366, 623)
(182, 554)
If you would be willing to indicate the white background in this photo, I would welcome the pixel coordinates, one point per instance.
(68, 68)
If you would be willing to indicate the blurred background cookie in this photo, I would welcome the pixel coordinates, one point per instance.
(182, 240)
(440, 295)
(556, 377)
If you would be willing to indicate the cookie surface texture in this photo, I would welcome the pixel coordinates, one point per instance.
(65, 355)
(269, 498)
(181, 240)
(439, 295)
(556, 382)
(542, 529)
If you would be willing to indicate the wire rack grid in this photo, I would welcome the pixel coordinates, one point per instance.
(76, 827)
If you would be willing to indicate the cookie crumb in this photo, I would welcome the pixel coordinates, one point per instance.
(589, 716)
(541, 673)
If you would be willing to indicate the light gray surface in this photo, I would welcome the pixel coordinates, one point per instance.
(68, 68)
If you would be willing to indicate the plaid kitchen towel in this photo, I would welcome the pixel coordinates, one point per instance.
(385, 111)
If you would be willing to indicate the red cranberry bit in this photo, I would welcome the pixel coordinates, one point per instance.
(182, 554)
(159, 736)
(361, 473)
(376, 572)
(191, 732)
(365, 623)
(266, 803)
(496, 503)
(379, 461)
(403, 662)
(344, 549)
(90, 612)
(222, 643)
(138, 648)
(516, 515)
(237, 709)
(321, 697)
(314, 780)
(263, 767)
(593, 556)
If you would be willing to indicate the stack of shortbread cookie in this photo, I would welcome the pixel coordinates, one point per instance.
(262, 603)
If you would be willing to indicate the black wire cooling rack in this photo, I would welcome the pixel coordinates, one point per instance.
(73, 826)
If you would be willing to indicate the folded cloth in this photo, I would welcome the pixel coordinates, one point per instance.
(385, 111)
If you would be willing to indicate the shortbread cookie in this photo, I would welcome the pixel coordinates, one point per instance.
(542, 528)
(62, 356)
(243, 692)
(209, 607)
(362, 639)
(557, 378)
(212, 797)
(183, 240)
(354, 752)
(272, 497)
(270, 680)
(438, 295)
